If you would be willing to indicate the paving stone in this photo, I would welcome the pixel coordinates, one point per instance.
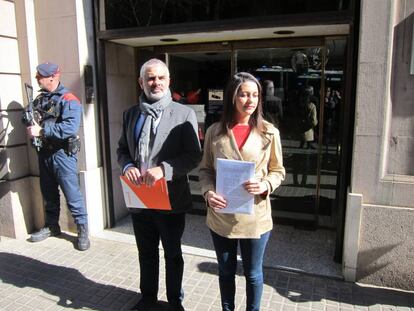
(53, 275)
(331, 308)
(288, 307)
(318, 305)
(375, 307)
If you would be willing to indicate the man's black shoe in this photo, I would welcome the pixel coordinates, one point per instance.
(83, 239)
(44, 233)
(145, 305)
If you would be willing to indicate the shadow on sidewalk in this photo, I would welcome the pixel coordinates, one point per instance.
(297, 288)
(71, 288)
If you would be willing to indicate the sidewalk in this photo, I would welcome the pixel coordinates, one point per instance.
(52, 275)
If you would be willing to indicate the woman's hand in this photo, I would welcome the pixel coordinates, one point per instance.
(254, 186)
(214, 200)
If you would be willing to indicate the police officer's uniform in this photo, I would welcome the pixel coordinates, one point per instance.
(60, 113)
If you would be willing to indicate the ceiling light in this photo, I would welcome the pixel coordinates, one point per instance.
(284, 32)
(169, 40)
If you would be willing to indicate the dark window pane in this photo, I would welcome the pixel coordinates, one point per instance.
(142, 13)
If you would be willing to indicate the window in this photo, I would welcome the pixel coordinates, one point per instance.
(143, 13)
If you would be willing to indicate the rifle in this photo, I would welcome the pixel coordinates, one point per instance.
(28, 115)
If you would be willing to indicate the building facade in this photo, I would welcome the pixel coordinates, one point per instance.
(357, 179)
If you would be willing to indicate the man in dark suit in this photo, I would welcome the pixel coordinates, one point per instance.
(159, 139)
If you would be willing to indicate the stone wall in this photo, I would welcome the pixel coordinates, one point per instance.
(382, 170)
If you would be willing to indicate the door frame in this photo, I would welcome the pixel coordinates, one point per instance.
(232, 46)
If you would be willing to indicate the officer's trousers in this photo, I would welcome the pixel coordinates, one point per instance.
(59, 169)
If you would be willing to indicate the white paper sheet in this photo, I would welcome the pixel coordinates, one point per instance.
(231, 174)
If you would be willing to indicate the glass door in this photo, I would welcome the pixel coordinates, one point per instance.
(296, 84)
(303, 98)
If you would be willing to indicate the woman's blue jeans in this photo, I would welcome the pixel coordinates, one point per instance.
(252, 251)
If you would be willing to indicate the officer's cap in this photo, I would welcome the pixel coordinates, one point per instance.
(47, 69)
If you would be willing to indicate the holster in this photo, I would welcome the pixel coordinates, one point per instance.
(73, 145)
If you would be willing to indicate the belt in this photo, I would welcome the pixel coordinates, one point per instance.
(54, 145)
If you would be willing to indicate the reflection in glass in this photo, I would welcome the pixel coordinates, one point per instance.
(143, 13)
(198, 80)
(292, 88)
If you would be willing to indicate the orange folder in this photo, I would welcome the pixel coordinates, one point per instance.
(155, 197)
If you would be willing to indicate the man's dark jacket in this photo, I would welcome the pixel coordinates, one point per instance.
(176, 147)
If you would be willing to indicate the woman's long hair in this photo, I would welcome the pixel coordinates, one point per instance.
(229, 102)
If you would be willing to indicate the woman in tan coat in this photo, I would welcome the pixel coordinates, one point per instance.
(242, 134)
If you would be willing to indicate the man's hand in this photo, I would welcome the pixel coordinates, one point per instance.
(152, 175)
(132, 174)
(34, 130)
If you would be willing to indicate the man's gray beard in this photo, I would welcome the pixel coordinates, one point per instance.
(154, 97)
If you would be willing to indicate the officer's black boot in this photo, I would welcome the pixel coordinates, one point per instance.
(83, 240)
(45, 232)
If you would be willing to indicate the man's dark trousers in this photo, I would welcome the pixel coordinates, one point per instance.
(59, 169)
(149, 227)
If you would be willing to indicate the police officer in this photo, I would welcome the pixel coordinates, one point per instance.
(59, 114)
